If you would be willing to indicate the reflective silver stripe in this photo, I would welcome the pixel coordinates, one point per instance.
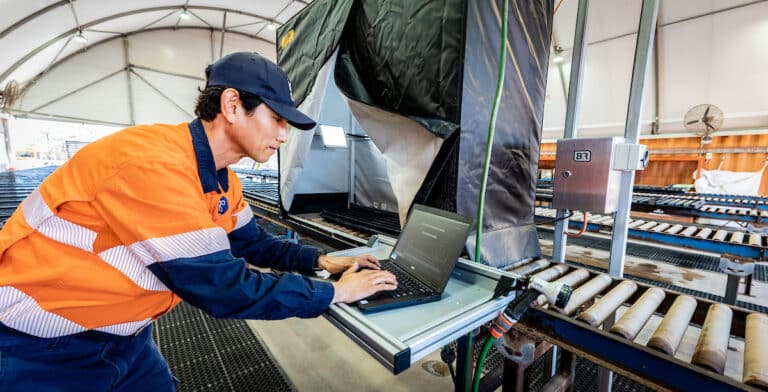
(133, 267)
(191, 244)
(35, 210)
(68, 233)
(243, 217)
(42, 219)
(22, 313)
(125, 329)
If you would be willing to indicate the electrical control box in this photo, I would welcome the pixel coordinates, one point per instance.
(585, 179)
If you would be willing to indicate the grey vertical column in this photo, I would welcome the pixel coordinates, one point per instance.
(351, 197)
(128, 84)
(571, 119)
(571, 115)
(5, 128)
(645, 35)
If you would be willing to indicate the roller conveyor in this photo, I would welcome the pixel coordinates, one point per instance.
(753, 209)
(652, 361)
(723, 240)
(368, 220)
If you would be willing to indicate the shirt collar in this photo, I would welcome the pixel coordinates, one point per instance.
(210, 179)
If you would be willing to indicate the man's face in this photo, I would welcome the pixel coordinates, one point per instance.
(261, 133)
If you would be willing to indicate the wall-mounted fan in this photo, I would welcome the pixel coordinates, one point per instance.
(703, 120)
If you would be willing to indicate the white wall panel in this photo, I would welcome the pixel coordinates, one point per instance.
(14, 10)
(44, 59)
(151, 107)
(70, 75)
(604, 91)
(90, 10)
(106, 101)
(670, 11)
(179, 51)
(33, 34)
(236, 43)
(719, 59)
(131, 23)
(607, 19)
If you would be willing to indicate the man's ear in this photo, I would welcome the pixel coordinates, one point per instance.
(230, 98)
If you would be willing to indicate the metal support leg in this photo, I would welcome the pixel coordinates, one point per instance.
(732, 289)
(464, 364)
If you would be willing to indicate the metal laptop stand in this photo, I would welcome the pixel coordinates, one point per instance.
(399, 337)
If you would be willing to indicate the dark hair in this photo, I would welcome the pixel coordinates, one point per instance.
(209, 102)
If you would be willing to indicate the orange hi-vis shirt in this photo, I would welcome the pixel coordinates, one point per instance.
(134, 223)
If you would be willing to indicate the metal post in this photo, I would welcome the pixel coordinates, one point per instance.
(128, 84)
(7, 136)
(571, 116)
(351, 197)
(463, 361)
(645, 36)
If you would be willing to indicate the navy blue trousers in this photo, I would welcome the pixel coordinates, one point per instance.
(89, 361)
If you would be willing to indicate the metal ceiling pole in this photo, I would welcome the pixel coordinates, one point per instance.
(128, 85)
(59, 117)
(223, 31)
(643, 53)
(160, 71)
(572, 114)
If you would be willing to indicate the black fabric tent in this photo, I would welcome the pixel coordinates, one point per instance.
(434, 63)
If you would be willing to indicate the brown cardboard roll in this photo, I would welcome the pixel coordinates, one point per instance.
(531, 267)
(756, 351)
(586, 292)
(573, 279)
(630, 324)
(712, 347)
(552, 272)
(605, 306)
(671, 330)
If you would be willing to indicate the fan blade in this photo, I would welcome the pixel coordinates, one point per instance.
(692, 122)
(706, 112)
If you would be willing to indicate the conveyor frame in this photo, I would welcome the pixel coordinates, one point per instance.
(422, 329)
(662, 372)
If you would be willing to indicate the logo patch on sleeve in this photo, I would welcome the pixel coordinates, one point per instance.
(223, 205)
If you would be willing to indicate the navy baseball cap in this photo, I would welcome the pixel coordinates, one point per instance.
(257, 75)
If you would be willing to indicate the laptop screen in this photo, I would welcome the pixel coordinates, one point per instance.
(430, 243)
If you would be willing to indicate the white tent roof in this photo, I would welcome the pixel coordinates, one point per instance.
(143, 63)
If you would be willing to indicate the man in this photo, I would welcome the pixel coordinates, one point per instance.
(147, 217)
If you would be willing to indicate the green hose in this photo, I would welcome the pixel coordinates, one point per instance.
(484, 183)
(481, 362)
(492, 126)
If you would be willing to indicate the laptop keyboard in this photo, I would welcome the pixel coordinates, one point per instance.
(406, 284)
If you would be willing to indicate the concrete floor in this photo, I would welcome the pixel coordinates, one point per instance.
(318, 357)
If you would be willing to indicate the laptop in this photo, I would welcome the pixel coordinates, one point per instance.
(422, 259)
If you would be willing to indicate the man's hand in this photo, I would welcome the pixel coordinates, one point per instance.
(339, 264)
(355, 285)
